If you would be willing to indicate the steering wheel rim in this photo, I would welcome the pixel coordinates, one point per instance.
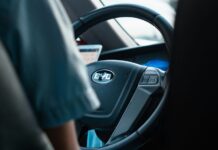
(129, 10)
(125, 10)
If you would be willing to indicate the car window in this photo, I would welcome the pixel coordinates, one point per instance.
(142, 32)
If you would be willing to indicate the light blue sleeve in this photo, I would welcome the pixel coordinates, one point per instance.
(41, 44)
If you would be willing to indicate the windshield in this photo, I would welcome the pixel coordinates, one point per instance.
(142, 32)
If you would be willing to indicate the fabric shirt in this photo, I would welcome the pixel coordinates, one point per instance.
(39, 39)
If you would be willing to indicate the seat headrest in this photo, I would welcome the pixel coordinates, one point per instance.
(192, 109)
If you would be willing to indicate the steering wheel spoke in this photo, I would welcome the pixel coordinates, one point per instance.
(149, 83)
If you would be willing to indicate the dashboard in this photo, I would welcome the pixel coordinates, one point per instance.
(154, 56)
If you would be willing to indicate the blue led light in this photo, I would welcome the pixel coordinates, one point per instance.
(158, 63)
(93, 141)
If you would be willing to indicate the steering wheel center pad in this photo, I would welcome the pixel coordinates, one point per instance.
(116, 93)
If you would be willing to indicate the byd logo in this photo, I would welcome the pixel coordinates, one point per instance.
(103, 76)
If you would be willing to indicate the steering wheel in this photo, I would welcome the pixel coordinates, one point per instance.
(132, 96)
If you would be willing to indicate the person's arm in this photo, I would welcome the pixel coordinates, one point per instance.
(63, 137)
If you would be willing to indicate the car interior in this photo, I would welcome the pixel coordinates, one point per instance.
(153, 96)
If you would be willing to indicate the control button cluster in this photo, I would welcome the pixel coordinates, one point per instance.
(150, 77)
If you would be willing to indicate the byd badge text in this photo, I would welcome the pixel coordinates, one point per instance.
(102, 76)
